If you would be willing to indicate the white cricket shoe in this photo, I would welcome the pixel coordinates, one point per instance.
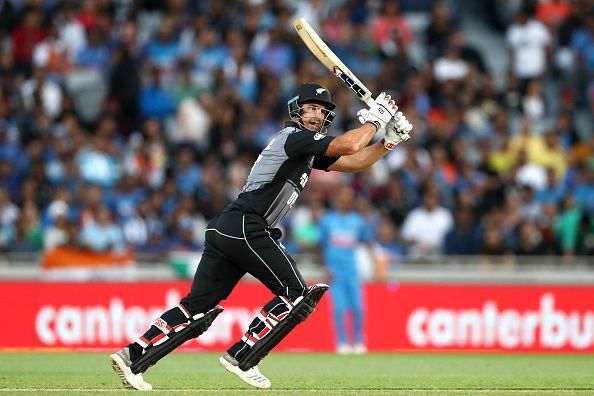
(120, 362)
(251, 376)
(344, 349)
(359, 349)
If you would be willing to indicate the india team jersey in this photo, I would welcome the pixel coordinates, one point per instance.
(341, 233)
(281, 172)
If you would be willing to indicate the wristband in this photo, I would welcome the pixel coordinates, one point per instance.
(377, 125)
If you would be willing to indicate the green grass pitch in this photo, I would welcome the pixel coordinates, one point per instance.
(298, 374)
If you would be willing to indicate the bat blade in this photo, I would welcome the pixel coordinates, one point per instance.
(320, 50)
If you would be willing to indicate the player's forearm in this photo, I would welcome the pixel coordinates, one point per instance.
(368, 156)
(352, 142)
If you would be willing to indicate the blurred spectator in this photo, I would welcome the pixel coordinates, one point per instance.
(529, 43)
(9, 213)
(585, 244)
(24, 38)
(533, 102)
(52, 54)
(59, 206)
(41, 90)
(86, 83)
(307, 232)
(472, 56)
(553, 192)
(464, 238)
(8, 19)
(450, 66)
(207, 53)
(187, 226)
(398, 200)
(391, 28)
(546, 226)
(584, 192)
(163, 50)
(567, 226)
(97, 165)
(274, 55)
(493, 243)
(440, 28)
(552, 155)
(125, 85)
(426, 226)
(88, 15)
(566, 131)
(57, 233)
(582, 44)
(95, 55)
(155, 101)
(188, 173)
(240, 71)
(387, 248)
(529, 241)
(101, 234)
(71, 32)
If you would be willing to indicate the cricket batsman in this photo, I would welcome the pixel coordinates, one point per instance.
(243, 238)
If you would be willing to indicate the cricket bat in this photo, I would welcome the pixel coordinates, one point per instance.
(325, 55)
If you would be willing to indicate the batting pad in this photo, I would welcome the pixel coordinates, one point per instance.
(196, 326)
(303, 308)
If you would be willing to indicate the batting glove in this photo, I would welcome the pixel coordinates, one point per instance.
(397, 131)
(380, 112)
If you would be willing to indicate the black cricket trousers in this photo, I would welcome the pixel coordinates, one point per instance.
(239, 243)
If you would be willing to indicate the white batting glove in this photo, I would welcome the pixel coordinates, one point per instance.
(397, 131)
(380, 112)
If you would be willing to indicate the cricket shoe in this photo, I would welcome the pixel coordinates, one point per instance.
(359, 349)
(121, 362)
(344, 349)
(251, 376)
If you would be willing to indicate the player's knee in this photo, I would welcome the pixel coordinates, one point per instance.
(200, 304)
(308, 305)
(294, 292)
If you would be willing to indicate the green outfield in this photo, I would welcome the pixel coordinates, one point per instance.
(324, 374)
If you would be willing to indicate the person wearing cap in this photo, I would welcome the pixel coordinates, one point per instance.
(244, 237)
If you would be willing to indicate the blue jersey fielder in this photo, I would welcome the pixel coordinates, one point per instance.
(342, 230)
(341, 233)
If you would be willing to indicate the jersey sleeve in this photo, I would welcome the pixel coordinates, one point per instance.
(306, 143)
(323, 162)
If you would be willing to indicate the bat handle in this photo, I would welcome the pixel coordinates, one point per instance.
(369, 101)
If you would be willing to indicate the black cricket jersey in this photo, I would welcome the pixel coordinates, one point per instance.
(281, 171)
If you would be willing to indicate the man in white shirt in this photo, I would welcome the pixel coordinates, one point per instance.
(529, 42)
(425, 227)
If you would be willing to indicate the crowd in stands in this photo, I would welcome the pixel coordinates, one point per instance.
(129, 124)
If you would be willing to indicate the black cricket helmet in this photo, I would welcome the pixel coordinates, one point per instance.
(312, 93)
